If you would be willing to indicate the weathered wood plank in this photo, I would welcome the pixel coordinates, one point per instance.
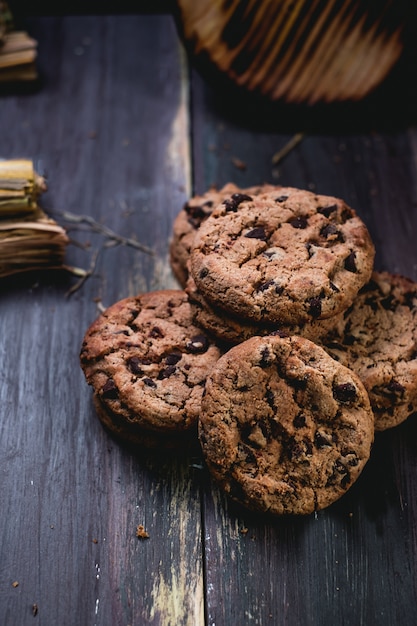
(109, 128)
(354, 563)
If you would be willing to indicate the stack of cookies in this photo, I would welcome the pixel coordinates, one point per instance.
(282, 352)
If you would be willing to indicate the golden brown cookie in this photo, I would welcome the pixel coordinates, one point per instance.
(284, 428)
(147, 363)
(285, 257)
(377, 338)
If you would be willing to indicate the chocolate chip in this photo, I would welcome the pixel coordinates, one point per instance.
(230, 204)
(241, 197)
(270, 398)
(320, 441)
(203, 272)
(327, 210)
(299, 421)
(299, 222)
(395, 387)
(134, 365)
(195, 212)
(409, 299)
(372, 303)
(310, 250)
(335, 345)
(149, 382)
(156, 333)
(298, 383)
(109, 389)
(347, 214)
(257, 233)
(345, 392)
(198, 343)
(350, 262)
(267, 285)
(194, 223)
(314, 307)
(167, 372)
(281, 198)
(389, 303)
(266, 357)
(172, 358)
(330, 231)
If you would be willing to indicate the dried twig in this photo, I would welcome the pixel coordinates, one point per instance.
(104, 230)
(85, 274)
(292, 143)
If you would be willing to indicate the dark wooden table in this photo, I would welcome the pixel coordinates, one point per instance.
(125, 131)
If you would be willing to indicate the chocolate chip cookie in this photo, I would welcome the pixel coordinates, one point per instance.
(377, 338)
(284, 428)
(282, 257)
(191, 216)
(147, 364)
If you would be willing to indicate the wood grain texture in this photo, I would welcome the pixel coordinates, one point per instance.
(108, 126)
(112, 126)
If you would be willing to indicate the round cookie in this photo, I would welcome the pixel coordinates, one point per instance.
(191, 216)
(284, 428)
(377, 338)
(147, 363)
(230, 329)
(283, 257)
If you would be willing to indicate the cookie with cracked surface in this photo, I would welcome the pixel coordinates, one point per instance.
(377, 338)
(284, 428)
(288, 257)
(147, 363)
(190, 218)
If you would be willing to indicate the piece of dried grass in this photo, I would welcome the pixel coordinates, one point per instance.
(18, 51)
(29, 239)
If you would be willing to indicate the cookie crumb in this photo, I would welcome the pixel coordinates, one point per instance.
(95, 540)
(34, 609)
(239, 164)
(243, 530)
(15, 584)
(141, 532)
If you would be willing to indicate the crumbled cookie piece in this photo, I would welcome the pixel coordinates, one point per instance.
(141, 533)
